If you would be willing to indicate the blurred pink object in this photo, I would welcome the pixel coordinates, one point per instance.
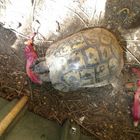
(136, 103)
(31, 57)
(136, 107)
(137, 72)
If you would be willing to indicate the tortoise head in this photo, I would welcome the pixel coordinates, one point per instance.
(40, 67)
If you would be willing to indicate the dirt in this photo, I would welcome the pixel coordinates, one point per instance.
(98, 112)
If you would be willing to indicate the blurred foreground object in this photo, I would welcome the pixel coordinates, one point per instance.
(7, 120)
(136, 103)
(31, 57)
(58, 18)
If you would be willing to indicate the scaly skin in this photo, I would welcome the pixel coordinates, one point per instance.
(31, 57)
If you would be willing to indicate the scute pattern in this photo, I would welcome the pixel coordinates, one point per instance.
(92, 57)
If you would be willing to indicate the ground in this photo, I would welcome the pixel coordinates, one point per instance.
(98, 112)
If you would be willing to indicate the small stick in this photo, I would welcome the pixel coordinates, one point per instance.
(132, 131)
(31, 91)
(8, 87)
(123, 10)
(127, 50)
(7, 120)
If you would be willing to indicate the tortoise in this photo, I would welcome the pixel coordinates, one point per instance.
(89, 58)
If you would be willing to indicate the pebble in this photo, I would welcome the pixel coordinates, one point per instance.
(44, 97)
(111, 126)
(25, 83)
(21, 77)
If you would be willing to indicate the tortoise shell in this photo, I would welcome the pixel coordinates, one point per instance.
(89, 58)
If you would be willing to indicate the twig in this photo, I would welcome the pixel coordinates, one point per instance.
(31, 91)
(16, 56)
(22, 87)
(88, 130)
(20, 34)
(132, 40)
(10, 88)
(82, 20)
(123, 10)
(127, 50)
(132, 131)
